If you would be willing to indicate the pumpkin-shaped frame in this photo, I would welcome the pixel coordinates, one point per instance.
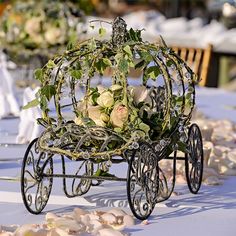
(140, 125)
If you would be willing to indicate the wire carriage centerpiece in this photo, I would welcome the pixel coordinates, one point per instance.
(142, 125)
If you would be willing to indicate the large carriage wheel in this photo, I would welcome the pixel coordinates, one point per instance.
(142, 181)
(35, 187)
(194, 159)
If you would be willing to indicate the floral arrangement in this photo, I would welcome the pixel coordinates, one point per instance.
(30, 25)
(106, 108)
(158, 113)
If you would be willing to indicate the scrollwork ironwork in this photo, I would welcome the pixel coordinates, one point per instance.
(35, 188)
(142, 181)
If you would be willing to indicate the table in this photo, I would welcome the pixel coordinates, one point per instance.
(211, 212)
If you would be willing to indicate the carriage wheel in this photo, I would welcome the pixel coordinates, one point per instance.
(79, 186)
(142, 181)
(194, 159)
(35, 187)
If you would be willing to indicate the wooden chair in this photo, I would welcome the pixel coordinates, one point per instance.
(198, 59)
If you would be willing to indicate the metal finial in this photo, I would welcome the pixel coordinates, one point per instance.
(118, 31)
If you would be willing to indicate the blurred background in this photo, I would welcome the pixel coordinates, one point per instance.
(182, 23)
(193, 23)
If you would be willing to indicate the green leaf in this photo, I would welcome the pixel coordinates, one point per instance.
(190, 89)
(144, 127)
(141, 64)
(123, 66)
(100, 66)
(38, 74)
(132, 118)
(145, 78)
(145, 56)
(76, 74)
(131, 63)
(134, 35)
(102, 31)
(107, 62)
(94, 98)
(153, 72)
(72, 39)
(43, 103)
(88, 122)
(92, 44)
(32, 103)
(182, 146)
(117, 130)
(118, 57)
(100, 172)
(145, 115)
(70, 45)
(48, 91)
(77, 66)
(188, 96)
(170, 62)
(128, 51)
(50, 64)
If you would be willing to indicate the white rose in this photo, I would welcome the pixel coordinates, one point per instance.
(105, 99)
(119, 115)
(100, 88)
(104, 117)
(140, 94)
(94, 113)
(116, 87)
(78, 121)
(54, 35)
(37, 38)
(33, 25)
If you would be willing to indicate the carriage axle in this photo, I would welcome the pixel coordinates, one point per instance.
(85, 177)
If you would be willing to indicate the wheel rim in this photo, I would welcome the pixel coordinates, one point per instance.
(194, 159)
(142, 181)
(35, 187)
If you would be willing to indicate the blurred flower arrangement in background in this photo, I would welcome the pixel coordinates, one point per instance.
(30, 25)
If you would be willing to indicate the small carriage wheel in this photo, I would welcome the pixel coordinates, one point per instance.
(142, 181)
(79, 186)
(194, 159)
(35, 185)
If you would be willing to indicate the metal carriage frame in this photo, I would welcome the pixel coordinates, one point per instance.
(147, 183)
